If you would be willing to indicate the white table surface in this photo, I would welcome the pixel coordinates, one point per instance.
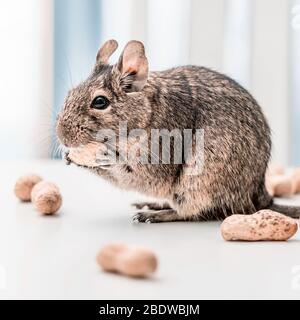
(54, 257)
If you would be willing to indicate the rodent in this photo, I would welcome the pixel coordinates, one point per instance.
(237, 141)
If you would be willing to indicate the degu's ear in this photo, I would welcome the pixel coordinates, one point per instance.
(133, 66)
(107, 49)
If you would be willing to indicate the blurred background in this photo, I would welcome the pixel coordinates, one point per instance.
(49, 46)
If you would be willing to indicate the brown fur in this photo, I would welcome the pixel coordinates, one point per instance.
(237, 140)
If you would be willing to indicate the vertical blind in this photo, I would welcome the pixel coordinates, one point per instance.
(257, 42)
(294, 79)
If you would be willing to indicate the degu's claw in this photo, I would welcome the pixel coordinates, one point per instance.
(68, 161)
(135, 219)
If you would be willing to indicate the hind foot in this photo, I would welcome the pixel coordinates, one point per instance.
(156, 216)
(151, 206)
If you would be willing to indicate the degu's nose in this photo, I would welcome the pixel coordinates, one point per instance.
(64, 132)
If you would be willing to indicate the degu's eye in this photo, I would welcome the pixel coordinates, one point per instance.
(100, 103)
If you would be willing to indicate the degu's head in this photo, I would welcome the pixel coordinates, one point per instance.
(110, 95)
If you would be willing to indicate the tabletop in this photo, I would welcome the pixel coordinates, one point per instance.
(54, 257)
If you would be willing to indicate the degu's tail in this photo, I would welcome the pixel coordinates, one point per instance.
(291, 211)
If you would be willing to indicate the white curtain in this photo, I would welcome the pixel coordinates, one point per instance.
(237, 41)
(168, 39)
(25, 78)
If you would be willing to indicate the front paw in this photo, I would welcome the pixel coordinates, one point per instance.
(67, 159)
(106, 159)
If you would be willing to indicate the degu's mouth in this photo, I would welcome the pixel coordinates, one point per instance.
(91, 155)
